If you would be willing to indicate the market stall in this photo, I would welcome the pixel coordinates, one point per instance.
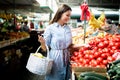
(95, 46)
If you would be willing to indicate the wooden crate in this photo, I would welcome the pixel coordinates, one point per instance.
(78, 70)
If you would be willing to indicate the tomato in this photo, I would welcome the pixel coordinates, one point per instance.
(81, 60)
(96, 54)
(117, 44)
(87, 52)
(91, 56)
(76, 60)
(95, 48)
(111, 51)
(86, 56)
(99, 59)
(94, 63)
(75, 54)
(85, 61)
(93, 51)
(72, 58)
(114, 47)
(101, 45)
(82, 49)
(105, 62)
(74, 64)
(110, 58)
(106, 50)
(104, 55)
(116, 39)
(111, 43)
(80, 65)
(79, 56)
(106, 43)
(103, 66)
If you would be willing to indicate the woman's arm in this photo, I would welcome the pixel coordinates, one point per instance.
(42, 41)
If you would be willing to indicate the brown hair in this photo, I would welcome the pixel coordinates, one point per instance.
(62, 9)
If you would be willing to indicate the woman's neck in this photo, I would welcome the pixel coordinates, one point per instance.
(60, 22)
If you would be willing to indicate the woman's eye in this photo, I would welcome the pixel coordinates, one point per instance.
(68, 15)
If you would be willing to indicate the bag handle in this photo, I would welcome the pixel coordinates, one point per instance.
(46, 48)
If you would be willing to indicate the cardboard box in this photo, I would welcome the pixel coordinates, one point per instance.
(79, 70)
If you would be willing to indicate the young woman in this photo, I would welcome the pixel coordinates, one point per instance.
(58, 37)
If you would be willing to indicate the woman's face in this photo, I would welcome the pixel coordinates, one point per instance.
(65, 16)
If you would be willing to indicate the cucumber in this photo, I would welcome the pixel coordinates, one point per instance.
(80, 78)
(111, 72)
(93, 74)
(92, 78)
(116, 78)
(116, 62)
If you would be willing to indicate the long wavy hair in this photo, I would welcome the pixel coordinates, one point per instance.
(62, 9)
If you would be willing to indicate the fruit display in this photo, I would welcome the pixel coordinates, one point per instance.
(18, 35)
(99, 52)
(78, 36)
(11, 37)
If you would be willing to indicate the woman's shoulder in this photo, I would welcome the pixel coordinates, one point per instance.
(51, 26)
(54, 24)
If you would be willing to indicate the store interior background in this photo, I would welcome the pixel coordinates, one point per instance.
(43, 10)
(13, 67)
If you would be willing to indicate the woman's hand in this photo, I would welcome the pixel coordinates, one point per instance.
(42, 41)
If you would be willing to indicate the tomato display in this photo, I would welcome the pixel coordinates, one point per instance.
(98, 53)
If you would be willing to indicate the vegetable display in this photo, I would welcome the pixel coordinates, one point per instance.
(98, 53)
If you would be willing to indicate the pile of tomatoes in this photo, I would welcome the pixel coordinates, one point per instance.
(99, 52)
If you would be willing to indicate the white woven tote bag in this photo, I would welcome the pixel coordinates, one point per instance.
(39, 64)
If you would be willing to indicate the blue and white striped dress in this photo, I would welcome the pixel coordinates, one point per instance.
(59, 38)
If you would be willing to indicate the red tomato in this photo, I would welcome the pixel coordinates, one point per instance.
(104, 55)
(99, 59)
(75, 54)
(106, 42)
(74, 64)
(72, 58)
(86, 56)
(111, 51)
(106, 50)
(95, 48)
(93, 51)
(82, 49)
(117, 44)
(85, 61)
(111, 43)
(79, 56)
(98, 66)
(94, 63)
(110, 59)
(103, 66)
(81, 60)
(101, 45)
(96, 54)
(105, 62)
(87, 52)
(114, 47)
(116, 39)
(91, 56)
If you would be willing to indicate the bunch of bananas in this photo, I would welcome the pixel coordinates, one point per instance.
(101, 19)
(97, 23)
(93, 22)
(38, 55)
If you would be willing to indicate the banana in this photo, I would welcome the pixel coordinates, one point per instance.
(38, 55)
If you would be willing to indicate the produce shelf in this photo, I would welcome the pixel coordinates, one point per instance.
(10, 42)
